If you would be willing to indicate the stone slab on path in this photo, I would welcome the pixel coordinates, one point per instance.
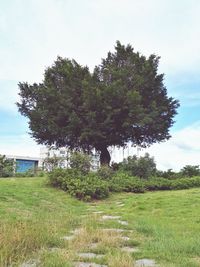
(76, 231)
(125, 238)
(110, 217)
(88, 264)
(97, 212)
(90, 255)
(129, 249)
(113, 230)
(121, 205)
(122, 222)
(68, 237)
(145, 263)
(30, 263)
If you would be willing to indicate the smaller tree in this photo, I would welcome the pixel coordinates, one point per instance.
(143, 167)
(53, 162)
(190, 170)
(80, 161)
(6, 166)
(168, 174)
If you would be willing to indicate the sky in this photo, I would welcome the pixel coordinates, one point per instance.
(34, 32)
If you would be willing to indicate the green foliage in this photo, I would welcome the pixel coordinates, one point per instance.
(158, 184)
(76, 184)
(31, 173)
(6, 166)
(143, 167)
(122, 182)
(172, 184)
(88, 188)
(105, 172)
(53, 162)
(123, 100)
(190, 171)
(169, 174)
(80, 162)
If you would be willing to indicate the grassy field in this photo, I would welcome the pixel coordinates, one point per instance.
(34, 218)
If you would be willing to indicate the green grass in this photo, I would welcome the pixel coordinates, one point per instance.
(33, 218)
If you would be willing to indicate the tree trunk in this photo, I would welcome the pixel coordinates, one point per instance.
(105, 156)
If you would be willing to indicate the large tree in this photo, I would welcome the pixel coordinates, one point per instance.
(124, 100)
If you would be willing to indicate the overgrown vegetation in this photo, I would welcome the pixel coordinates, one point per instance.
(132, 175)
(34, 218)
(122, 100)
(6, 166)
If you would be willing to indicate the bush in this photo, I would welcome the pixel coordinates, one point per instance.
(122, 182)
(89, 188)
(186, 183)
(6, 166)
(80, 162)
(82, 187)
(190, 171)
(51, 163)
(169, 174)
(177, 184)
(143, 167)
(158, 184)
(105, 173)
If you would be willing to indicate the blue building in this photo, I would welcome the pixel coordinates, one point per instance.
(24, 164)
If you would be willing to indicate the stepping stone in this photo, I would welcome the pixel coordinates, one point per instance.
(30, 263)
(90, 255)
(129, 249)
(145, 263)
(88, 264)
(121, 205)
(97, 212)
(68, 237)
(76, 231)
(125, 238)
(113, 230)
(119, 202)
(54, 249)
(109, 217)
(122, 222)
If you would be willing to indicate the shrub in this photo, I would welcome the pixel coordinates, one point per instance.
(158, 184)
(82, 187)
(89, 188)
(80, 162)
(186, 183)
(51, 163)
(169, 174)
(6, 166)
(190, 171)
(105, 172)
(124, 182)
(143, 167)
(177, 184)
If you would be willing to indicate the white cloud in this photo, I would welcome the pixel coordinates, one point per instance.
(21, 145)
(182, 149)
(34, 32)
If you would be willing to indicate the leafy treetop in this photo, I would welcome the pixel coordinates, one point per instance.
(123, 100)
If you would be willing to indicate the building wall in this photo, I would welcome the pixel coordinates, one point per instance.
(23, 165)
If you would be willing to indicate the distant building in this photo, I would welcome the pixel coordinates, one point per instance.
(65, 153)
(24, 164)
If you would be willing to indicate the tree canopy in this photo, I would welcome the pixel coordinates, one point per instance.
(123, 100)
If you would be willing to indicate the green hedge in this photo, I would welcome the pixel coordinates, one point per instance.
(98, 185)
(85, 187)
